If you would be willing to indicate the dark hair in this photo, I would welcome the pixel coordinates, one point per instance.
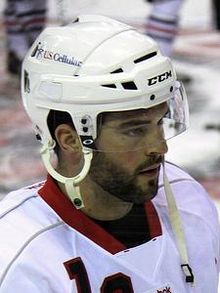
(54, 119)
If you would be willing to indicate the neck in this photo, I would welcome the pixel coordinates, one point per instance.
(100, 204)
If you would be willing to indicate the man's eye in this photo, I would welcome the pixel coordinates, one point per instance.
(135, 132)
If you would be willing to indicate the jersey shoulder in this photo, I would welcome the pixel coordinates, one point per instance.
(23, 215)
(191, 197)
(175, 172)
(186, 189)
(16, 198)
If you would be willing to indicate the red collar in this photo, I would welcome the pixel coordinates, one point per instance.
(83, 224)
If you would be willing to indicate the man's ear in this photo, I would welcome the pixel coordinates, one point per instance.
(67, 139)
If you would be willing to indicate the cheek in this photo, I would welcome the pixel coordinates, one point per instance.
(127, 160)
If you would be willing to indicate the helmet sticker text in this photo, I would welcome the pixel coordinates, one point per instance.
(41, 53)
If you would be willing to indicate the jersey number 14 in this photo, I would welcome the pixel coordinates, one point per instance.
(113, 284)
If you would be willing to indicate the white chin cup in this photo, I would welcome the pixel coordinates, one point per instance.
(71, 183)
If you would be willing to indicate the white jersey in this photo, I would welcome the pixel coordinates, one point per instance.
(49, 246)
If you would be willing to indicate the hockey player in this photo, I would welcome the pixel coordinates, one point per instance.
(23, 20)
(112, 215)
(163, 23)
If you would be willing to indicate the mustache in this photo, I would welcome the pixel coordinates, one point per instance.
(151, 160)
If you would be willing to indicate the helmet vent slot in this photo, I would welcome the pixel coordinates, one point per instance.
(145, 57)
(129, 85)
(111, 85)
(119, 70)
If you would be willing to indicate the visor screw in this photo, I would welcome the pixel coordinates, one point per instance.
(171, 89)
(77, 202)
(152, 97)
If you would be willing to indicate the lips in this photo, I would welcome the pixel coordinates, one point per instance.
(150, 171)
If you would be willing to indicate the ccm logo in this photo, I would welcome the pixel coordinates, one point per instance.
(159, 78)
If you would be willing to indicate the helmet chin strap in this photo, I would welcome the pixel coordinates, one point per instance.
(71, 183)
(177, 229)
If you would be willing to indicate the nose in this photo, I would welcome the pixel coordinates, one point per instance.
(159, 147)
(156, 144)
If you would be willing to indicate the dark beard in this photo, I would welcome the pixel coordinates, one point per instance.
(116, 181)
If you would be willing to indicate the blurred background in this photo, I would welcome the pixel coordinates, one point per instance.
(196, 56)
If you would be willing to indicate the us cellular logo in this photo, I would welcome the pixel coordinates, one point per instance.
(40, 53)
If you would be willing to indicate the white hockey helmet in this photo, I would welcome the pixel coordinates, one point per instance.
(93, 65)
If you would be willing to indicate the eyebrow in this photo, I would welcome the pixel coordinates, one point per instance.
(138, 122)
(133, 123)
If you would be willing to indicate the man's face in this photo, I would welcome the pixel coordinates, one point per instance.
(131, 148)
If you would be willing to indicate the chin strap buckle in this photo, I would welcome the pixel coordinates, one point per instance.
(188, 273)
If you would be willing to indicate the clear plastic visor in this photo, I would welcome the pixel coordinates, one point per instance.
(142, 128)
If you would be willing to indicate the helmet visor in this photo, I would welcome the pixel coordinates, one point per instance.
(141, 128)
